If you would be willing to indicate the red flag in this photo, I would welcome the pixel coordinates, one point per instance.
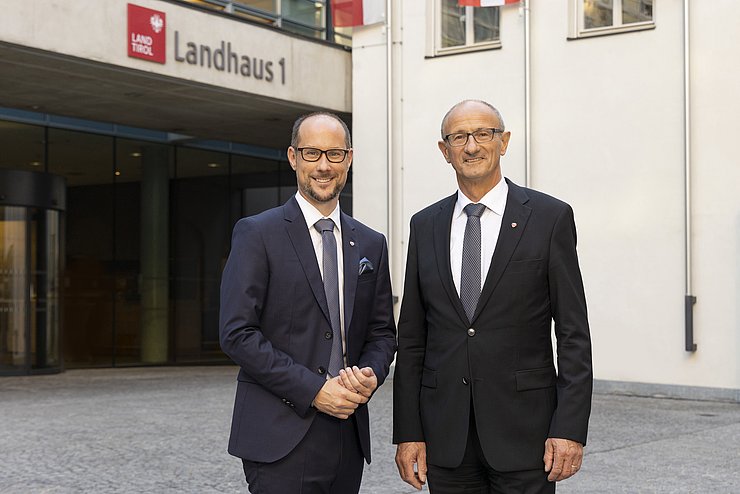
(485, 3)
(348, 13)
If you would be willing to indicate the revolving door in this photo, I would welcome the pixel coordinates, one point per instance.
(31, 215)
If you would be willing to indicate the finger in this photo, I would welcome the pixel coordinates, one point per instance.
(358, 383)
(368, 371)
(556, 471)
(406, 470)
(421, 466)
(346, 379)
(405, 463)
(549, 454)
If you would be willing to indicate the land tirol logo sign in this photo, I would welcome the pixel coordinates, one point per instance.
(147, 31)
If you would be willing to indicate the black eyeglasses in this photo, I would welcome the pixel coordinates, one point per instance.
(480, 135)
(314, 154)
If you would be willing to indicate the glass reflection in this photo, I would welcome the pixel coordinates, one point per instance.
(453, 24)
(13, 269)
(637, 11)
(486, 24)
(598, 13)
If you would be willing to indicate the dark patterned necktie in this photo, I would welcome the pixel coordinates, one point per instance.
(331, 288)
(470, 282)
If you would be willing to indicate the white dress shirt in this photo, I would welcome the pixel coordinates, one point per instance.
(312, 215)
(490, 226)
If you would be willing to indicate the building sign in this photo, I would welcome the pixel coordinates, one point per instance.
(225, 58)
(147, 30)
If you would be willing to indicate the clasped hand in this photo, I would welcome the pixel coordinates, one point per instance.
(341, 395)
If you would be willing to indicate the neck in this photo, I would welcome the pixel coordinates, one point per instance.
(325, 208)
(475, 190)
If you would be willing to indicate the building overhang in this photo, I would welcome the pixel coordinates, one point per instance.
(221, 78)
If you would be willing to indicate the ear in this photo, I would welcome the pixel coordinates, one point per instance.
(505, 142)
(445, 151)
(350, 153)
(292, 157)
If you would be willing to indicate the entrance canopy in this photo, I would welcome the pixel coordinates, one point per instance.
(201, 74)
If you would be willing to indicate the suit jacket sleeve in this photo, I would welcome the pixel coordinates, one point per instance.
(243, 296)
(568, 302)
(412, 334)
(380, 336)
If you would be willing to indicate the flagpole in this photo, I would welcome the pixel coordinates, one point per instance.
(527, 99)
(389, 121)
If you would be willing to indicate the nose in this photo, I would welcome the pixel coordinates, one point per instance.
(471, 145)
(323, 163)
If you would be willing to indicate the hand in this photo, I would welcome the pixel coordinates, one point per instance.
(563, 458)
(358, 380)
(335, 400)
(408, 454)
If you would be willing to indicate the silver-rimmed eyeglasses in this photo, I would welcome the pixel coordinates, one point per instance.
(314, 154)
(480, 136)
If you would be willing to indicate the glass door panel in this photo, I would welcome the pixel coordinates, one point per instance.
(13, 286)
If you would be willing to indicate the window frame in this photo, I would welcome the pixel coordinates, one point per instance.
(577, 29)
(434, 33)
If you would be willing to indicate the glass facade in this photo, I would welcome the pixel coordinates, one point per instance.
(146, 231)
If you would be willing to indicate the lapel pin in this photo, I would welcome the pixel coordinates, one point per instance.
(513, 225)
(352, 243)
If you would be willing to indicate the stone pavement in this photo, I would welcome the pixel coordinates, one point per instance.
(164, 430)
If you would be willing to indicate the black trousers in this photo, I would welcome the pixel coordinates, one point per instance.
(475, 476)
(327, 461)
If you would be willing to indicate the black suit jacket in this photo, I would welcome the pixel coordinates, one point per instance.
(274, 323)
(502, 360)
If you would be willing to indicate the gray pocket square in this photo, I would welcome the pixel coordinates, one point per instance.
(365, 266)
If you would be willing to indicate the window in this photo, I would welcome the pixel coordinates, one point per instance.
(459, 29)
(599, 17)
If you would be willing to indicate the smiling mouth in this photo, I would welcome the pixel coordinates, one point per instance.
(473, 160)
(323, 180)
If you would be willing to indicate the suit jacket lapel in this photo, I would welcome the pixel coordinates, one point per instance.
(351, 253)
(515, 213)
(301, 240)
(442, 227)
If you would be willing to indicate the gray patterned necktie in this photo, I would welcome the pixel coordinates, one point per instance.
(331, 288)
(470, 277)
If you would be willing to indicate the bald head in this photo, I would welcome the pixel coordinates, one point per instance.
(295, 137)
(471, 104)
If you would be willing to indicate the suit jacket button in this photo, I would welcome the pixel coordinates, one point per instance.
(328, 335)
(465, 381)
(471, 332)
(321, 370)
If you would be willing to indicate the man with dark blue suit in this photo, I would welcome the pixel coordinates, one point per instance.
(307, 313)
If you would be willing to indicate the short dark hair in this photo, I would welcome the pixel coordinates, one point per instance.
(489, 105)
(297, 127)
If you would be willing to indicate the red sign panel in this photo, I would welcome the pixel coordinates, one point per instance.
(146, 34)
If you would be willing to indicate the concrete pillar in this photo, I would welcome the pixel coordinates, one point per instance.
(155, 202)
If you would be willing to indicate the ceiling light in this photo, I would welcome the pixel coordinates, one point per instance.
(213, 165)
(35, 163)
(136, 155)
(118, 174)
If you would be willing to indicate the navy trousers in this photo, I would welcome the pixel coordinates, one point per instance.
(327, 461)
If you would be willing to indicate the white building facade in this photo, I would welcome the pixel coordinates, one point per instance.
(624, 109)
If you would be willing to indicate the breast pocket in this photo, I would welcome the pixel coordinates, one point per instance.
(525, 265)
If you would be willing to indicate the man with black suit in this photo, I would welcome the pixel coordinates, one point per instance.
(478, 404)
(307, 313)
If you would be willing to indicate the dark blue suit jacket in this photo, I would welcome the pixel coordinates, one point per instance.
(274, 323)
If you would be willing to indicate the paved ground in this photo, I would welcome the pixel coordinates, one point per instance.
(164, 430)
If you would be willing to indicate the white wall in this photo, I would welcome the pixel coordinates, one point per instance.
(607, 137)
